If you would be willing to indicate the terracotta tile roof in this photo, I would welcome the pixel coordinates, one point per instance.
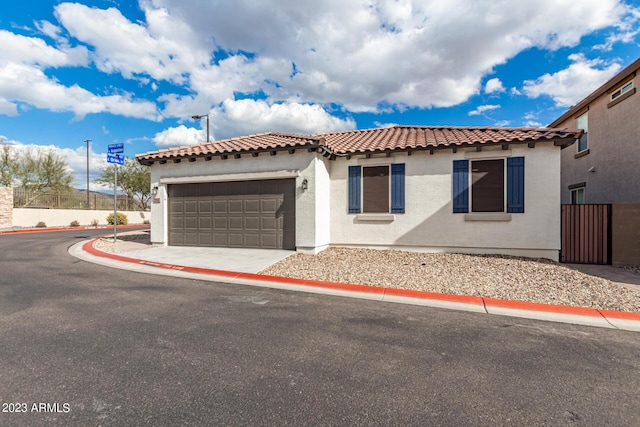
(402, 138)
(397, 138)
(244, 144)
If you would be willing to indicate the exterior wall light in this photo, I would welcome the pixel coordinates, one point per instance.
(154, 190)
(305, 184)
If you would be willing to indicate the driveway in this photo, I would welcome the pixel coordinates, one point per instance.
(123, 348)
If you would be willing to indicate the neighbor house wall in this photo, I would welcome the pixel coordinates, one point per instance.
(429, 223)
(625, 234)
(6, 207)
(613, 150)
(310, 217)
(27, 217)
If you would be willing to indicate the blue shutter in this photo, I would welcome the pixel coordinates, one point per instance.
(355, 177)
(460, 186)
(397, 188)
(515, 185)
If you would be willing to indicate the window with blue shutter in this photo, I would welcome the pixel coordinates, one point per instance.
(515, 185)
(460, 186)
(397, 188)
(355, 178)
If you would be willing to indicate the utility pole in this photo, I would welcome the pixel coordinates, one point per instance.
(201, 116)
(88, 200)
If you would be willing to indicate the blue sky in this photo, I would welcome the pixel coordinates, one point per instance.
(117, 71)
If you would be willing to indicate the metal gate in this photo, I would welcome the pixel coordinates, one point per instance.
(586, 234)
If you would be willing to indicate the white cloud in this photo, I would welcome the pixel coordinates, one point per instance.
(15, 48)
(248, 116)
(481, 109)
(494, 85)
(22, 83)
(352, 53)
(567, 87)
(178, 136)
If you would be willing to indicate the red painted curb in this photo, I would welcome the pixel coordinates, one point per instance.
(534, 306)
(623, 315)
(465, 299)
(87, 227)
(483, 301)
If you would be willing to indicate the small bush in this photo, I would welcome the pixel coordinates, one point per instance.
(95, 222)
(74, 223)
(146, 222)
(41, 224)
(122, 219)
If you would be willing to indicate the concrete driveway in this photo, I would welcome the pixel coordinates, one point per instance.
(232, 259)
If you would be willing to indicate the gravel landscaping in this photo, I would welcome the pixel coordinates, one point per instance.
(503, 277)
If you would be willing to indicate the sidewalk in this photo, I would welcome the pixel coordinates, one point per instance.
(141, 257)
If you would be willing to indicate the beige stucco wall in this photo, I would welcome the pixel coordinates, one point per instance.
(625, 234)
(429, 223)
(25, 217)
(6, 207)
(614, 152)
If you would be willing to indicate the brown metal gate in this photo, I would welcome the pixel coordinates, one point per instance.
(586, 234)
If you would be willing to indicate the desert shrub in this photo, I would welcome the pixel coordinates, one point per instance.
(146, 222)
(94, 222)
(122, 219)
(74, 223)
(41, 224)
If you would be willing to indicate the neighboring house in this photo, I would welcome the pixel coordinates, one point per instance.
(439, 189)
(604, 166)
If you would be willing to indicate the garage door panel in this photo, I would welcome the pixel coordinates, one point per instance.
(251, 240)
(269, 224)
(205, 239)
(220, 206)
(256, 214)
(252, 223)
(236, 240)
(220, 223)
(205, 207)
(205, 223)
(220, 239)
(269, 206)
(252, 206)
(235, 206)
(236, 223)
(191, 223)
(176, 207)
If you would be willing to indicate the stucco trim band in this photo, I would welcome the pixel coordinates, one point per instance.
(248, 176)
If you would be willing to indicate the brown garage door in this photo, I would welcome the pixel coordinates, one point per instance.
(243, 214)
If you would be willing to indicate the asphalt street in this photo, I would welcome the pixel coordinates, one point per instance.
(82, 344)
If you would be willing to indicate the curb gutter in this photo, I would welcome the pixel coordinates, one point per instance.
(629, 321)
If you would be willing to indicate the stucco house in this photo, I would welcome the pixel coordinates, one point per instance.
(438, 189)
(603, 166)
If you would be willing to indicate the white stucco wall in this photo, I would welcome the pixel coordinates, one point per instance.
(322, 217)
(26, 217)
(300, 165)
(429, 223)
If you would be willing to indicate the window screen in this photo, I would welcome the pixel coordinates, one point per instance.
(487, 186)
(375, 189)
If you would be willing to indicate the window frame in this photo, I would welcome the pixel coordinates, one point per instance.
(362, 190)
(626, 87)
(396, 189)
(575, 192)
(584, 136)
(504, 185)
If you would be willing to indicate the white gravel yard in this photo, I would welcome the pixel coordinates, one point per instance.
(502, 277)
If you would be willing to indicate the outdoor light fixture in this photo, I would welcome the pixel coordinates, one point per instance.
(201, 116)
(305, 184)
(154, 190)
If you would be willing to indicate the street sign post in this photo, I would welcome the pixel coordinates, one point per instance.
(115, 155)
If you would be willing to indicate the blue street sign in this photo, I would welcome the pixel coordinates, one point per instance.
(115, 159)
(116, 148)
